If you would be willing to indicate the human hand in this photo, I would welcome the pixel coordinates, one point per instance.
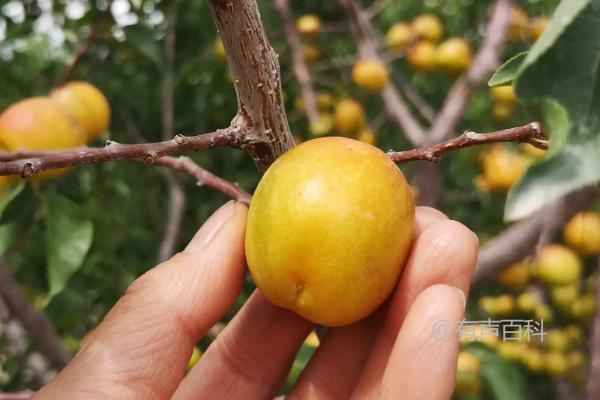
(142, 347)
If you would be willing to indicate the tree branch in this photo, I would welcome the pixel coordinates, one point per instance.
(298, 65)
(367, 41)
(485, 62)
(204, 177)
(519, 240)
(256, 75)
(28, 163)
(530, 133)
(592, 387)
(176, 205)
(38, 326)
(81, 51)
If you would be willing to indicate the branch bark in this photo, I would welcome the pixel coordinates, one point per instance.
(28, 163)
(298, 65)
(367, 41)
(256, 75)
(530, 133)
(519, 240)
(38, 326)
(485, 62)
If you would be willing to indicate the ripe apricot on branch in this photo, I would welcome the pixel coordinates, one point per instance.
(308, 25)
(422, 56)
(87, 104)
(398, 36)
(503, 94)
(370, 75)
(349, 117)
(329, 229)
(582, 232)
(38, 123)
(502, 167)
(558, 265)
(453, 55)
(428, 26)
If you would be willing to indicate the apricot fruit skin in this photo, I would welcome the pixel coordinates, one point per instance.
(370, 75)
(329, 229)
(86, 103)
(37, 123)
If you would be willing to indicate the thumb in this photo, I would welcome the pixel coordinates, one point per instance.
(141, 349)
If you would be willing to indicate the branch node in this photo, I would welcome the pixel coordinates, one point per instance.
(180, 139)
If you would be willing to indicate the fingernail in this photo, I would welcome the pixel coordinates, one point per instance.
(212, 225)
(461, 296)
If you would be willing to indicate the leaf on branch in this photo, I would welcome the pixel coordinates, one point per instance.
(502, 379)
(10, 193)
(564, 65)
(506, 74)
(69, 234)
(7, 234)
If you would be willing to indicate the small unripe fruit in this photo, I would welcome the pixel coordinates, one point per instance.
(556, 340)
(556, 363)
(329, 229)
(543, 313)
(564, 296)
(558, 265)
(422, 56)
(87, 104)
(370, 75)
(308, 25)
(398, 36)
(582, 233)
(368, 136)
(219, 50)
(503, 94)
(453, 55)
(428, 27)
(515, 276)
(526, 303)
(349, 117)
(311, 53)
(323, 126)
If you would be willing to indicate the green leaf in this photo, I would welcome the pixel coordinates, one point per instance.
(68, 237)
(507, 72)
(502, 379)
(7, 197)
(564, 65)
(142, 38)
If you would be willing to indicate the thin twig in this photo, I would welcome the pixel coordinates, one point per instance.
(28, 163)
(530, 133)
(81, 51)
(485, 62)
(377, 7)
(298, 64)
(176, 206)
(415, 98)
(36, 323)
(204, 177)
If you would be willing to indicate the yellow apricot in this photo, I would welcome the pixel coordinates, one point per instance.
(503, 94)
(502, 167)
(558, 265)
(87, 104)
(428, 26)
(515, 276)
(582, 232)
(453, 55)
(537, 26)
(370, 75)
(422, 56)
(349, 117)
(398, 36)
(329, 229)
(308, 25)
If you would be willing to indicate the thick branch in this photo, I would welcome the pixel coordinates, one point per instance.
(530, 133)
(149, 152)
(367, 41)
(592, 386)
(38, 326)
(257, 79)
(298, 64)
(519, 239)
(485, 62)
